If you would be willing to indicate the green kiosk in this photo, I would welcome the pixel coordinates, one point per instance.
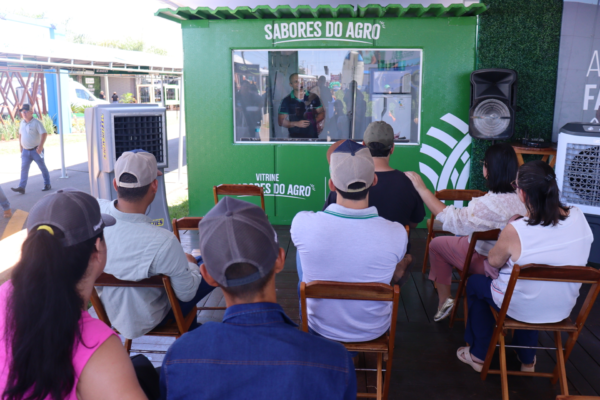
(244, 70)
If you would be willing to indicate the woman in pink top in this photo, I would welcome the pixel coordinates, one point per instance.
(51, 348)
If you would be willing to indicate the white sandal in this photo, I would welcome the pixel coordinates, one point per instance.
(527, 369)
(464, 355)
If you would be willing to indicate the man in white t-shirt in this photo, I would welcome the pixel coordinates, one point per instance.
(349, 242)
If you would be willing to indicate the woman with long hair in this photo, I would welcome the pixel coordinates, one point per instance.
(549, 233)
(491, 211)
(51, 348)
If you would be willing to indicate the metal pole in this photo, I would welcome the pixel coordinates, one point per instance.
(181, 127)
(107, 90)
(60, 128)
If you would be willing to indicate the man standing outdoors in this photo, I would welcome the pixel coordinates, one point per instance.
(32, 137)
(101, 96)
(349, 242)
(139, 250)
(300, 111)
(257, 352)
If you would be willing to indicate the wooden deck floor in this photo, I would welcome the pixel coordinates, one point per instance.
(425, 364)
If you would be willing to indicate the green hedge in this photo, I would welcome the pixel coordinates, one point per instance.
(524, 36)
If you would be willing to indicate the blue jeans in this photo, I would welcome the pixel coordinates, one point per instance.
(481, 322)
(27, 156)
(4, 201)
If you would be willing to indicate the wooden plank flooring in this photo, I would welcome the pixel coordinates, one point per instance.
(425, 363)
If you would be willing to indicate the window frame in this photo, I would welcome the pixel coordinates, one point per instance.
(325, 143)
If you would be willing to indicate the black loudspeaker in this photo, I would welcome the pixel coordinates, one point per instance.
(493, 103)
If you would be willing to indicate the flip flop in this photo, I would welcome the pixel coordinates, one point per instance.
(464, 355)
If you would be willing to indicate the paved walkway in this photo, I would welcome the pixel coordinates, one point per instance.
(76, 159)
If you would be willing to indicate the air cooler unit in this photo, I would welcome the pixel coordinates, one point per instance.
(578, 174)
(112, 129)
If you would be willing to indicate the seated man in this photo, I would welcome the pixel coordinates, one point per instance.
(257, 352)
(394, 196)
(139, 250)
(349, 242)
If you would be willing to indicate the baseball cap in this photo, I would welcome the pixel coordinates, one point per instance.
(25, 107)
(379, 132)
(235, 231)
(75, 213)
(138, 163)
(351, 163)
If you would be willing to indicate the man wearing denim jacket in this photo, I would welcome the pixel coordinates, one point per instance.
(257, 352)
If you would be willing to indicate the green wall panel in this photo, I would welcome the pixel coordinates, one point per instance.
(442, 155)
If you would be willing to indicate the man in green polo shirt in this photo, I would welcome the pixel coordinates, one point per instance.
(300, 111)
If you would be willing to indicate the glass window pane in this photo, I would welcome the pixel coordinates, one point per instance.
(325, 95)
(144, 94)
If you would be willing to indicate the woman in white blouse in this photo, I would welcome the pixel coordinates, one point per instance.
(491, 211)
(550, 233)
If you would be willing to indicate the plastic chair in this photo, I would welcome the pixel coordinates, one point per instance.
(239, 190)
(177, 328)
(383, 346)
(442, 195)
(540, 272)
(464, 274)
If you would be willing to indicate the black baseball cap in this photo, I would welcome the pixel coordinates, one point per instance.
(235, 231)
(25, 107)
(76, 214)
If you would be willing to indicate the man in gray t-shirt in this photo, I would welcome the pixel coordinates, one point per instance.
(32, 137)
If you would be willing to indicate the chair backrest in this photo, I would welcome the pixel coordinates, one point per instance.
(543, 272)
(486, 235)
(458, 194)
(185, 223)
(350, 291)
(239, 190)
(157, 281)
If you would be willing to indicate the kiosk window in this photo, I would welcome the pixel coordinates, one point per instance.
(325, 95)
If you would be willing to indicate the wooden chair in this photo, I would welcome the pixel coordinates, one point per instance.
(464, 274)
(538, 272)
(442, 195)
(383, 345)
(239, 190)
(577, 397)
(177, 328)
(190, 224)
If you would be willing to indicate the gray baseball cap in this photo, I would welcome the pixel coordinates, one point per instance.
(380, 132)
(351, 163)
(138, 163)
(76, 214)
(235, 231)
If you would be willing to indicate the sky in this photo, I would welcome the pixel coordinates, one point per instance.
(108, 20)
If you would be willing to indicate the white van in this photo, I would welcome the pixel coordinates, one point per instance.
(80, 95)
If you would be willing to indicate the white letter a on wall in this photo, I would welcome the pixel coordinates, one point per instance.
(596, 65)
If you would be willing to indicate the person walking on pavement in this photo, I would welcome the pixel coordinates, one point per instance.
(5, 204)
(32, 137)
